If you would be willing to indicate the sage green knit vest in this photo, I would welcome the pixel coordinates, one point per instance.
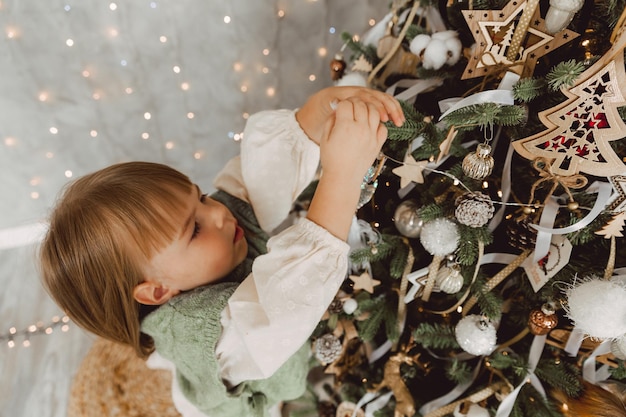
(186, 330)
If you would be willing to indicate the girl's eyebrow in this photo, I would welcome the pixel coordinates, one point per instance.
(190, 222)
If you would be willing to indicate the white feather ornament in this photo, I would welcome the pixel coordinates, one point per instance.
(598, 307)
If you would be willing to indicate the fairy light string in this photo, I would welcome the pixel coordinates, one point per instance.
(15, 337)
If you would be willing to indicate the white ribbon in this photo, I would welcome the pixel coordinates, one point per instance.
(446, 399)
(505, 188)
(574, 341)
(589, 366)
(536, 349)
(545, 231)
(375, 400)
(490, 258)
(413, 87)
(503, 97)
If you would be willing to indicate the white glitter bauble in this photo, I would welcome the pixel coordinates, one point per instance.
(406, 219)
(474, 410)
(597, 307)
(476, 335)
(618, 347)
(350, 305)
(440, 237)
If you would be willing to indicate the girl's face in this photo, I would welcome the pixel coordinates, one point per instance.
(208, 246)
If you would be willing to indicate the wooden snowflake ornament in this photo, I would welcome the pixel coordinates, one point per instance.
(579, 130)
(515, 34)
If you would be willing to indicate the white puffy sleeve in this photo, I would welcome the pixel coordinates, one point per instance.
(275, 310)
(277, 162)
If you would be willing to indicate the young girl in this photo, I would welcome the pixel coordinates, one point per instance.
(135, 252)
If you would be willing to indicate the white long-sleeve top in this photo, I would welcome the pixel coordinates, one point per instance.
(276, 308)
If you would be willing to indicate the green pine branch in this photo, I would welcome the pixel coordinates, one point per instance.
(469, 237)
(435, 335)
(430, 212)
(458, 371)
(382, 311)
(564, 74)
(528, 89)
(486, 114)
(488, 302)
(559, 376)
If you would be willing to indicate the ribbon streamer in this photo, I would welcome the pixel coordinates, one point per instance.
(503, 97)
(574, 341)
(604, 193)
(498, 278)
(536, 349)
(589, 366)
(604, 190)
(415, 87)
(450, 396)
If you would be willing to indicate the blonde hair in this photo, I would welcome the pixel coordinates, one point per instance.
(105, 228)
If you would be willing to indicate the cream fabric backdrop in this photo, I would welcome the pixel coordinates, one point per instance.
(88, 83)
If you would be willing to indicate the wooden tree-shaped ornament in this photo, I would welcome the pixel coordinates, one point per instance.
(580, 128)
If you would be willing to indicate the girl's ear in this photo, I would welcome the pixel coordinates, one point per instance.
(152, 293)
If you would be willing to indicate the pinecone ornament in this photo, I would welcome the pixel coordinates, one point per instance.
(327, 348)
(521, 235)
(474, 209)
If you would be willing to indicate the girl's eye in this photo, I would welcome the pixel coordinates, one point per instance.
(196, 230)
(203, 197)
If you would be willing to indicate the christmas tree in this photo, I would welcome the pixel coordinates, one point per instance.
(486, 267)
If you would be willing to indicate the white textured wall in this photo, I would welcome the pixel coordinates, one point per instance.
(44, 85)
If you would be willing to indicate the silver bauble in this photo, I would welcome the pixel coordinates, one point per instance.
(479, 164)
(407, 220)
(449, 279)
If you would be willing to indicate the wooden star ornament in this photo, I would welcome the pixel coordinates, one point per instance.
(410, 171)
(364, 282)
(515, 34)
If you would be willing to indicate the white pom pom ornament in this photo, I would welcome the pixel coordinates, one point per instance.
(597, 307)
(352, 79)
(437, 50)
(476, 335)
(440, 237)
(350, 305)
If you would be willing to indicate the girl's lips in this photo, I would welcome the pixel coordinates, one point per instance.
(238, 234)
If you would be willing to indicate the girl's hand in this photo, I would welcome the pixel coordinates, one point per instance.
(319, 108)
(352, 139)
(349, 145)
